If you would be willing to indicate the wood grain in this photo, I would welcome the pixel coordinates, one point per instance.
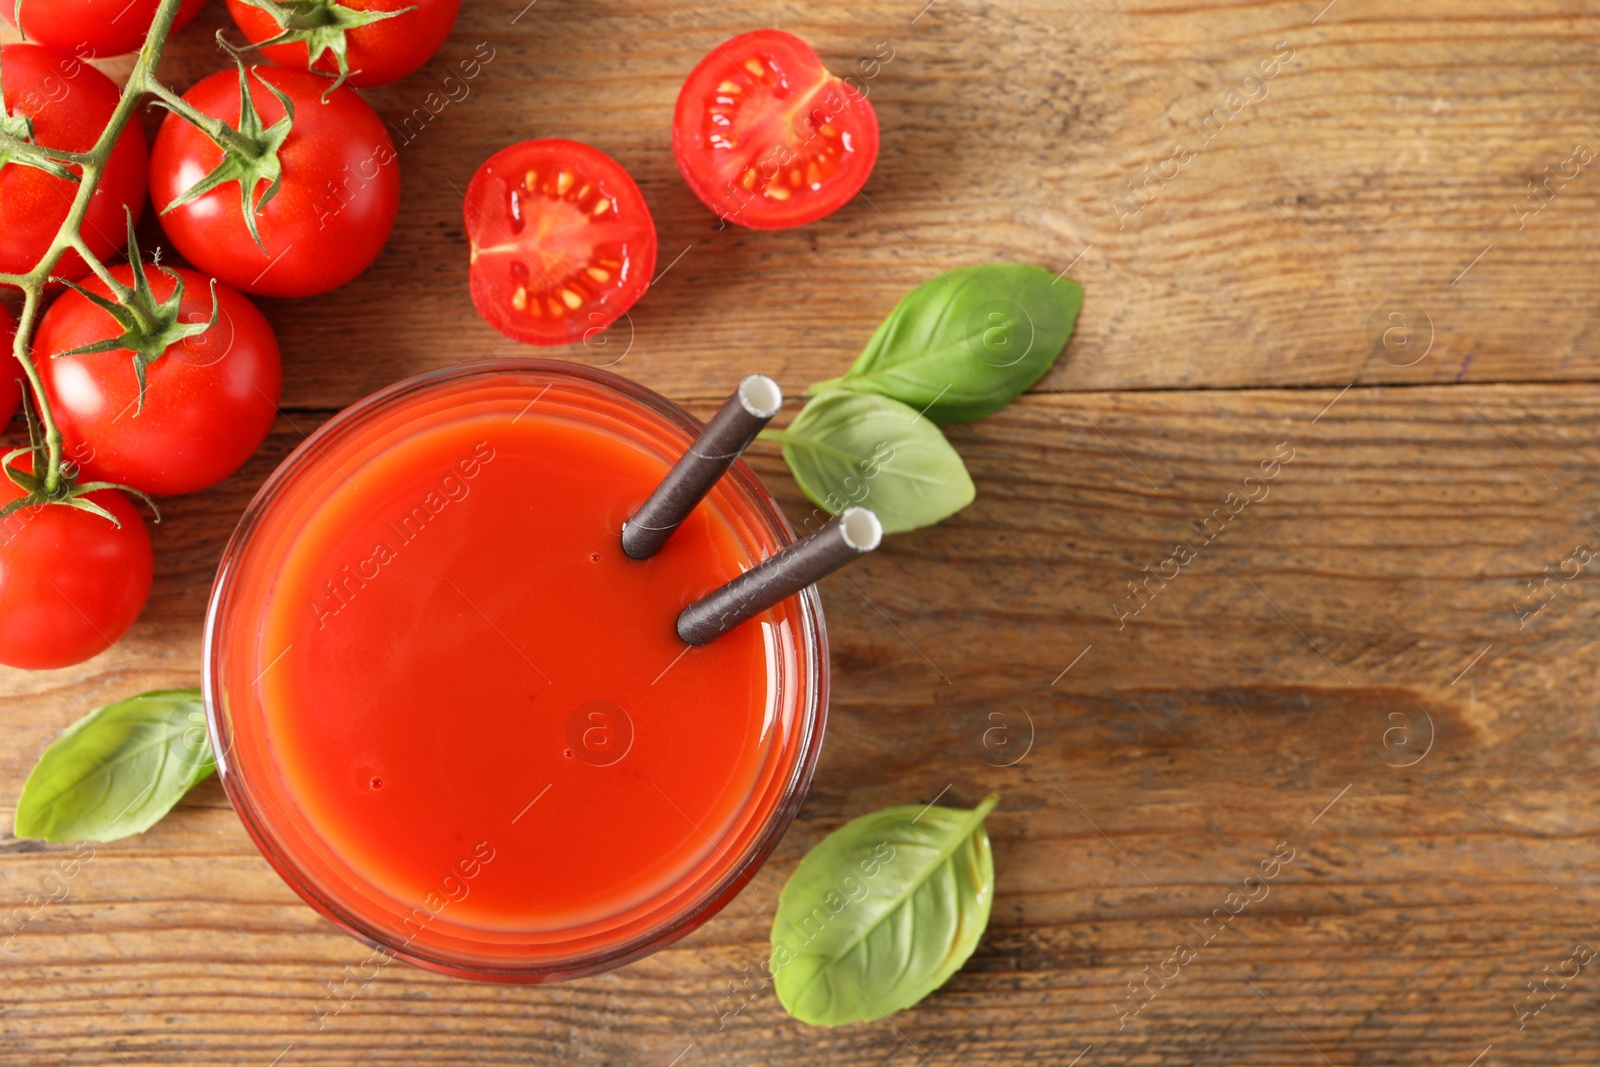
(1364, 612)
(1377, 165)
(1265, 695)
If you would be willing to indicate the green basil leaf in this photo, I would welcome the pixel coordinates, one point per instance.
(969, 342)
(856, 449)
(117, 770)
(882, 913)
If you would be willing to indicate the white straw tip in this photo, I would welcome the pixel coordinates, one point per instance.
(862, 530)
(761, 396)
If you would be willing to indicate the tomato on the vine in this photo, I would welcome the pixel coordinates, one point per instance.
(208, 402)
(11, 380)
(562, 241)
(332, 212)
(767, 138)
(375, 41)
(71, 582)
(67, 104)
(93, 29)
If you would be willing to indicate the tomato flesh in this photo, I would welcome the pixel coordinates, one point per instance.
(562, 241)
(208, 401)
(767, 138)
(71, 582)
(377, 53)
(94, 29)
(69, 104)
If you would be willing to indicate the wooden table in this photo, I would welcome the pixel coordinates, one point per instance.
(1350, 669)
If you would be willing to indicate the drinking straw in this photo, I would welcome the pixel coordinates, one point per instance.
(724, 439)
(854, 532)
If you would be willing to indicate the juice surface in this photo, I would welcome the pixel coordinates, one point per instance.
(470, 693)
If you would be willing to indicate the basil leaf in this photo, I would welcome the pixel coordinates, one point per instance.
(882, 913)
(117, 770)
(969, 342)
(849, 449)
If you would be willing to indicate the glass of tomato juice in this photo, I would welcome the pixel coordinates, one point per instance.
(457, 718)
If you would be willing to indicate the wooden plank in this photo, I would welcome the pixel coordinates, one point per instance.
(1382, 170)
(1273, 691)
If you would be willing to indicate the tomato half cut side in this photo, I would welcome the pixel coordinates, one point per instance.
(562, 241)
(767, 137)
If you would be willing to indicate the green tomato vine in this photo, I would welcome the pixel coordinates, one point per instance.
(250, 157)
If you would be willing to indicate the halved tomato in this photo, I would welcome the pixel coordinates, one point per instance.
(767, 138)
(562, 241)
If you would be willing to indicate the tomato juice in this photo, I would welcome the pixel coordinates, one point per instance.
(456, 717)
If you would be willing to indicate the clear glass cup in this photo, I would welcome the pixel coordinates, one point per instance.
(246, 715)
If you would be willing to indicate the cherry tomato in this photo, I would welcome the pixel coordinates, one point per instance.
(94, 29)
(562, 242)
(69, 104)
(767, 138)
(333, 211)
(71, 582)
(208, 402)
(378, 53)
(11, 380)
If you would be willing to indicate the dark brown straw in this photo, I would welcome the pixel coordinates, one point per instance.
(803, 563)
(724, 439)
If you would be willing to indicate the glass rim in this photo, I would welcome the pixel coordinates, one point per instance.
(812, 669)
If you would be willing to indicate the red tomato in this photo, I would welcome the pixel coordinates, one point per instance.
(378, 53)
(208, 401)
(11, 380)
(94, 29)
(69, 103)
(767, 138)
(333, 212)
(71, 583)
(562, 242)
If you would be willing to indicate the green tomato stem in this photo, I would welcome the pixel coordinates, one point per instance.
(34, 284)
(224, 135)
(60, 155)
(101, 271)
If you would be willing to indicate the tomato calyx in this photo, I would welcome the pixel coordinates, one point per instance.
(67, 491)
(149, 326)
(249, 151)
(321, 25)
(17, 145)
